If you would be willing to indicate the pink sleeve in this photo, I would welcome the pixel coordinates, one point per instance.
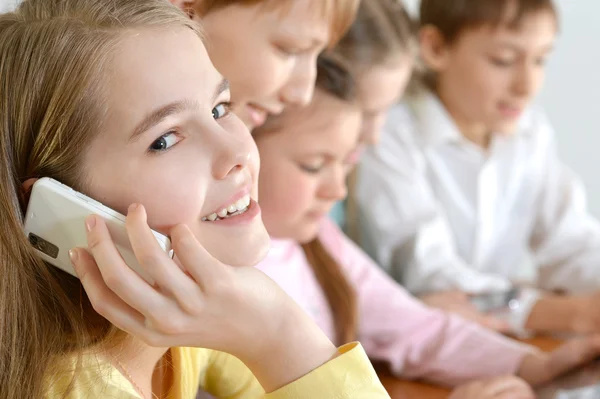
(415, 340)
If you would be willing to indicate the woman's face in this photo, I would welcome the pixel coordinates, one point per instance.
(169, 142)
(268, 53)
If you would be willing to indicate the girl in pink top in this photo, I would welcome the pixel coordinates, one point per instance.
(306, 154)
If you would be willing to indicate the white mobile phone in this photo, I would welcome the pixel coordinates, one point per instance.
(55, 223)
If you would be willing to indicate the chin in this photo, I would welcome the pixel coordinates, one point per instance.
(239, 251)
(506, 128)
(307, 234)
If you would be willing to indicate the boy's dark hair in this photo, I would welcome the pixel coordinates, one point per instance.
(452, 17)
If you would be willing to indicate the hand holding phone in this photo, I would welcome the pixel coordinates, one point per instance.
(55, 223)
(199, 301)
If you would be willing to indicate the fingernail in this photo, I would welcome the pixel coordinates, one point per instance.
(74, 256)
(132, 208)
(90, 222)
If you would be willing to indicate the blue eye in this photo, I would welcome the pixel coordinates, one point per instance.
(221, 110)
(164, 142)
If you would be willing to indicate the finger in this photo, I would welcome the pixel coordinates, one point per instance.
(155, 261)
(515, 394)
(573, 354)
(500, 385)
(119, 278)
(203, 268)
(104, 301)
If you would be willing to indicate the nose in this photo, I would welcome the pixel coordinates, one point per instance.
(300, 87)
(527, 79)
(233, 151)
(335, 188)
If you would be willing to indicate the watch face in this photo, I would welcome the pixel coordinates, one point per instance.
(496, 300)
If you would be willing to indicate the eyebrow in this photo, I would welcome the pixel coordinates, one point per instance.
(176, 107)
(546, 49)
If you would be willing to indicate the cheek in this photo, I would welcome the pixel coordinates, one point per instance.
(285, 194)
(263, 73)
(476, 87)
(177, 201)
(171, 192)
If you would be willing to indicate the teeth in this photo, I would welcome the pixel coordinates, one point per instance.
(222, 213)
(240, 205)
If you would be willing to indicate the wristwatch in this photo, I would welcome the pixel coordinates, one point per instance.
(518, 310)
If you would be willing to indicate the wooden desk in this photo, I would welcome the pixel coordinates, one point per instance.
(399, 389)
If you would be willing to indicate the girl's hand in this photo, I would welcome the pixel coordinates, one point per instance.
(198, 301)
(496, 388)
(539, 368)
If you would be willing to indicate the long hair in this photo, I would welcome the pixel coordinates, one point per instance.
(53, 57)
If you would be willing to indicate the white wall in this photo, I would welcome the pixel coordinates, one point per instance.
(571, 95)
(572, 92)
(7, 5)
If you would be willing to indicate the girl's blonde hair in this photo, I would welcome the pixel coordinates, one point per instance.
(382, 32)
(54, 56)
(341, 13)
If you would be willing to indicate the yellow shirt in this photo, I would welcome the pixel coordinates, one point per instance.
(350, 375)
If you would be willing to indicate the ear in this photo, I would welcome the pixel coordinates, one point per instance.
(186, 5)
(27, 184)
(26, 190)
(434, 48)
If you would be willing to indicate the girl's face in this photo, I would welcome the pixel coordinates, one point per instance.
(169, 142)
(268, 53)
(378, 88)
(305, 160)
(488, 76)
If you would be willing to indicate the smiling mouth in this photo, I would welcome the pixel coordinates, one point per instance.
(237, 208)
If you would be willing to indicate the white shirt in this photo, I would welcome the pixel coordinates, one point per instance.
(440, 213)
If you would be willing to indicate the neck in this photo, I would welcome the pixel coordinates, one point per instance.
(141, 365)
(477, 133)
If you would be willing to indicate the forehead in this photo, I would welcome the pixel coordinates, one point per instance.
(327, 125)
(380, 86)
(154, 67)
(303, 18)
(535, 31)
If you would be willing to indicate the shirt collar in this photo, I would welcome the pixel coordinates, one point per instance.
(437, 126)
